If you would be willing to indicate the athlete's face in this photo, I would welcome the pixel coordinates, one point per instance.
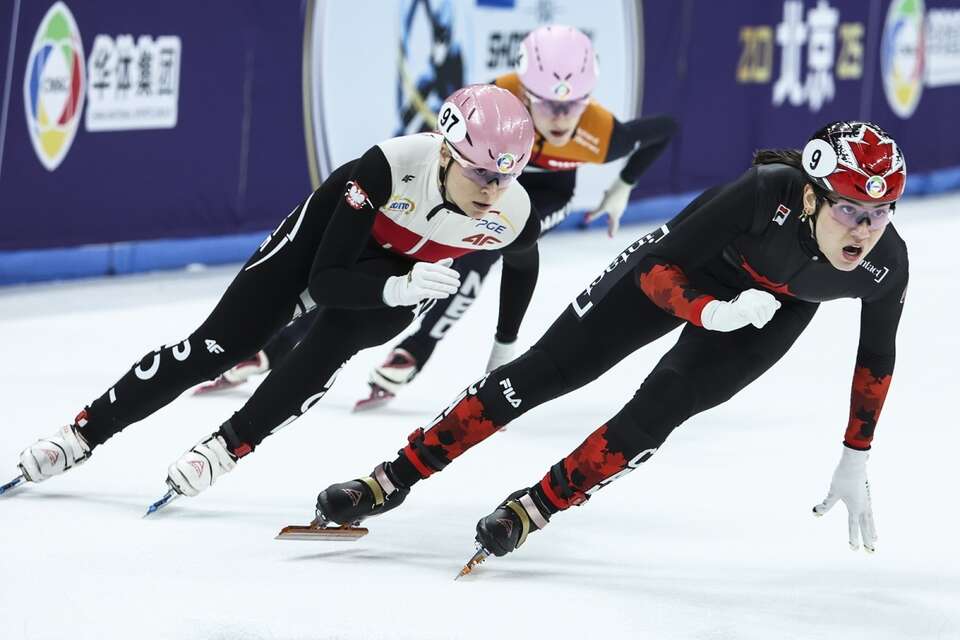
(556, 121)
(846, 242)
(473, 197)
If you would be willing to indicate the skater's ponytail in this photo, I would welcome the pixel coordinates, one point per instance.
(789, 157)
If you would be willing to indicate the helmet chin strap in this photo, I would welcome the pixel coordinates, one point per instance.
(442, 175)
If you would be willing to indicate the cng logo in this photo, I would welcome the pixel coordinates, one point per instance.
(54, 85)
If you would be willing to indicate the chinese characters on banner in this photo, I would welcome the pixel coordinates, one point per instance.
(133, 85)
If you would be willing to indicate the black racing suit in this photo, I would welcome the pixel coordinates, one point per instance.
(550, 192)
(321, 254)
(746, 234)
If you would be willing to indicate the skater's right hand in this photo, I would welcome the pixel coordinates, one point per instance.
(427, 280)
(750, 307)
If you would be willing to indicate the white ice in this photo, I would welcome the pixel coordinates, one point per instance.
(712, 539)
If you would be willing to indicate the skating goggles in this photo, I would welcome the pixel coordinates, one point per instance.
(851, 215)
(485, 177)
(557, 108)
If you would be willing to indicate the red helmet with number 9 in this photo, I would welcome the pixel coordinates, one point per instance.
(856, 160)
(487, 128)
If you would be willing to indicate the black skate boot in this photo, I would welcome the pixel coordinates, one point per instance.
(349, 503)
(508, 527)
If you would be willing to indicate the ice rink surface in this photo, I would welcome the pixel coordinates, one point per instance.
(712, 539)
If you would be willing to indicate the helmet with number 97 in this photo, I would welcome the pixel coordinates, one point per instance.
(557, 63)
(487, 129)
(857, 161)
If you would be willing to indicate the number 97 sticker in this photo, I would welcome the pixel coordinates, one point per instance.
(819, 158)
(451, 123)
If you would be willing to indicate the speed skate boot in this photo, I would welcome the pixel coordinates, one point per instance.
(398, 369)
(200, 467)
(507, 527)
(238, 374)
(52, 456)
(348, 503)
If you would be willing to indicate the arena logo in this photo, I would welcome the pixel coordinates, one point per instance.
(901, 56)
(918, 50)
(834, 50)
(54, 86)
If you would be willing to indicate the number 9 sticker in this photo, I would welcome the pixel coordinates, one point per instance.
(819, 158)
(451, 123)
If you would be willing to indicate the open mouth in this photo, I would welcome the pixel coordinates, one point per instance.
(852, 252)
(558, 133)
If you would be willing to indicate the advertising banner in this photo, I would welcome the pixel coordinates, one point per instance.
(130, 121)
(135, 122)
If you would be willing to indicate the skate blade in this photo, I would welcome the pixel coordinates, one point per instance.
(313, 532)
(481, 555)
(216, 385)
(373, 402)
(13, 483)
(167, 498)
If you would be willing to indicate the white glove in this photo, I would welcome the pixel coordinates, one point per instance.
(426, 280)
(850, 484)
(613, 204)
(501, 354)
(750, 307)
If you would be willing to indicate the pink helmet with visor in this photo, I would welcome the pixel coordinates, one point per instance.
(488, 131)
(557, 64)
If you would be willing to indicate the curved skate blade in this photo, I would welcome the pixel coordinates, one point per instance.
(220, 384)
(378, 397)
(167, 498)
(13, 483)
(481, 555)
(317, 531)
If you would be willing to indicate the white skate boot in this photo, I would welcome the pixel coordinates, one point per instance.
(385, 381)
(239, 374)
(52, 456)
(200, 467)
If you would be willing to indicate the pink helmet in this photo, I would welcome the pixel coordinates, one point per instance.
(488, 129)
(557, 63)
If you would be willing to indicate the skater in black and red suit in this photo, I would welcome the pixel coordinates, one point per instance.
(743, 268)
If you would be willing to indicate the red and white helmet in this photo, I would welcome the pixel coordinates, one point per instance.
(856, 160)
(488, 128)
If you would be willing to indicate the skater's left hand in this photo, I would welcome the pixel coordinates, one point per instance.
(613, 204)
(501, 354)
(850, 485)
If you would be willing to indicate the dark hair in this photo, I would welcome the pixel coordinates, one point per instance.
(789, 157)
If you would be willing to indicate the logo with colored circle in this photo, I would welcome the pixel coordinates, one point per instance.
(562, 90)
(54, 85)
(506, 162)
(401, 205)
(876, 186)
(902, 55)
